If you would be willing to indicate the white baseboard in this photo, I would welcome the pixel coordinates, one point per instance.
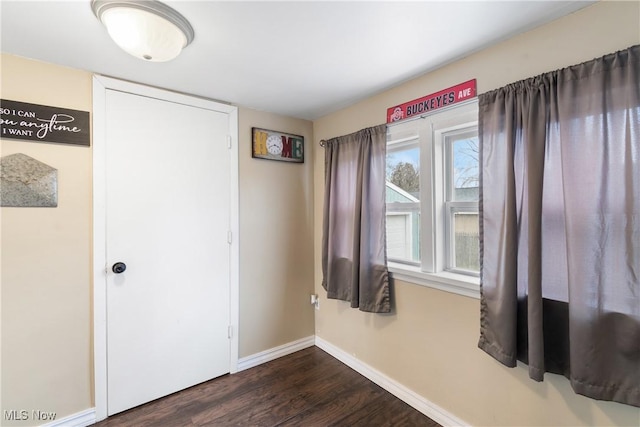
(79, 419)
(403, 393)
(274, 353)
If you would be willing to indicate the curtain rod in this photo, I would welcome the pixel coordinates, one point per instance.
(323, 142)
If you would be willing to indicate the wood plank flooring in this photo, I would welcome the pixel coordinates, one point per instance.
(306, 388)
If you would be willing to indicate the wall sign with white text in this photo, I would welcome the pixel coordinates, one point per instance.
(41, 123)
(435, 101)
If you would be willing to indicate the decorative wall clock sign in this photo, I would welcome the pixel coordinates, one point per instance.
(273, 145)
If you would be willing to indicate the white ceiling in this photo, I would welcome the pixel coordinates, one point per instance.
(301, 59)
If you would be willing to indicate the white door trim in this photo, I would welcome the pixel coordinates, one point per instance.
(100, 86)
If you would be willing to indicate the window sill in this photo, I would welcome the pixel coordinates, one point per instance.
(460, 284)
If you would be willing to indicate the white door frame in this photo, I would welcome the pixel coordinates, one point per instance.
(100, 86)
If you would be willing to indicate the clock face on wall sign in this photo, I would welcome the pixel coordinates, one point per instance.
(273, 145)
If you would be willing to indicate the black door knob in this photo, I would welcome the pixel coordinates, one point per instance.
(119, 267)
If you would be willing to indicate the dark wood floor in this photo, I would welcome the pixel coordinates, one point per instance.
(306, 388)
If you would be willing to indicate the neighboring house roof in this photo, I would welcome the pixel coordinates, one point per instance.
(397, 194)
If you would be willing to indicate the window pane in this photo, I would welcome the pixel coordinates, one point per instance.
(466, 171)
(403, 203)
(400, 236)
(403, 170)
(466, 241)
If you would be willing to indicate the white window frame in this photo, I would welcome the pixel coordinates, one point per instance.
(453, 206)
(431, 130)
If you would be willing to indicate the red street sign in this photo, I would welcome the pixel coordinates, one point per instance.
(444, 98)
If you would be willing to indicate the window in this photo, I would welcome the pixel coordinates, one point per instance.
(462, 177)
(403, 201)
(432, 198)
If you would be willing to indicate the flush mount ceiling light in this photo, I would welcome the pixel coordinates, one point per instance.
(146, 29)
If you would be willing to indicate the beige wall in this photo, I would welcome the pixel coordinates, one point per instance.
(46, 252)
(46, 292)
(429, 342)
(276, 239)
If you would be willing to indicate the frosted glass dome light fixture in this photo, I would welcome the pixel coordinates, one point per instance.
(147, 29)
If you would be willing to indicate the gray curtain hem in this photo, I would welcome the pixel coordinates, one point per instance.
(382, 306)
(494, 351)
(613, 393)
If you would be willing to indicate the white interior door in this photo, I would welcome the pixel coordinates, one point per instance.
(167, 219)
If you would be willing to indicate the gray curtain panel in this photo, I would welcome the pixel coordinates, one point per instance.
(354, 264)
(560, 225)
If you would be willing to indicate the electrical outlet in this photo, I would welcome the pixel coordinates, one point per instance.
(315, 301)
